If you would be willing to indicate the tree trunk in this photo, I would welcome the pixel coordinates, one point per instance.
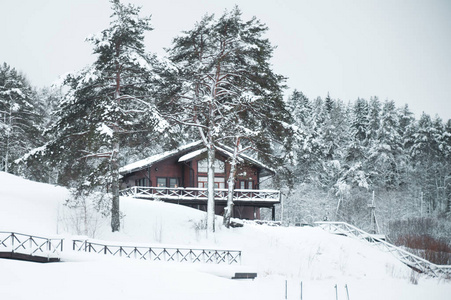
(8, 133)
(115, 213)
(228, 211)
(211, 189)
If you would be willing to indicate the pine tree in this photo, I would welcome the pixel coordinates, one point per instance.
(223, 74)
(263, 128)
(106, 104)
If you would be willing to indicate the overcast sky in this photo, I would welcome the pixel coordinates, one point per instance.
(394, 49)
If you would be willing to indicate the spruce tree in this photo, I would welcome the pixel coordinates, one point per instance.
(387, 154)
(360, 122)
(305, 147)
(374, 118)
(20, 118)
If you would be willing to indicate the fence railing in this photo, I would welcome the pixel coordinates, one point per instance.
(161, 253)
(189, 193)
(29, 244)
(417, 263)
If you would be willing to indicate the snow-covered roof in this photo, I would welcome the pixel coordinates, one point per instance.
(191, 155)
(225, 150)
(146, 162)
(248, 158)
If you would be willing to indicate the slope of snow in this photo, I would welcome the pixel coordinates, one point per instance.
(309, 255)
(29, 207)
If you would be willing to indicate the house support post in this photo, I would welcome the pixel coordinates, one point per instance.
(273, 213)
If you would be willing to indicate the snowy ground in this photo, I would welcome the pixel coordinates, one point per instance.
(309, 255)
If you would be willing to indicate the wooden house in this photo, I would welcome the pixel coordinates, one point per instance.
(180, 176)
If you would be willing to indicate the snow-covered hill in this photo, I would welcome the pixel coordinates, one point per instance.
(309, 255)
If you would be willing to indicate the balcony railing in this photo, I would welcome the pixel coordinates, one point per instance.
(200, 194)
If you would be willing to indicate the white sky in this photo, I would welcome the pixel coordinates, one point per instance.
(394, 49)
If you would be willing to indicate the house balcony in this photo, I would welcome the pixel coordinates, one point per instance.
(198, 196)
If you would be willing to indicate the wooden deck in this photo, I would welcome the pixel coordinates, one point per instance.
(260, 198)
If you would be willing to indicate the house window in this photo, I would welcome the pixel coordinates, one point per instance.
(161, 182)
(140, 182)
(246, 184)
(173, 182)
(219, 183)
(202, 166)
(202, 182)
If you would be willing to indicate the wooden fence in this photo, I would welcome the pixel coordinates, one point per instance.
(30, 247)
(161, 253)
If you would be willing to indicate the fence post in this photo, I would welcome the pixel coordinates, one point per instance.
(286, 289)
(301, 290)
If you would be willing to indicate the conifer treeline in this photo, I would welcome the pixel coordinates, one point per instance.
(351, 149)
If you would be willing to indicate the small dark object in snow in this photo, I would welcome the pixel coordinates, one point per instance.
(245, 276)
(236, 224)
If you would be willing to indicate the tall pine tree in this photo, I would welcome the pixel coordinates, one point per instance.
(106, 104)
(224, 75)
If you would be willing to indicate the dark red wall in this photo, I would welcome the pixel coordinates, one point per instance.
(172, 168)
